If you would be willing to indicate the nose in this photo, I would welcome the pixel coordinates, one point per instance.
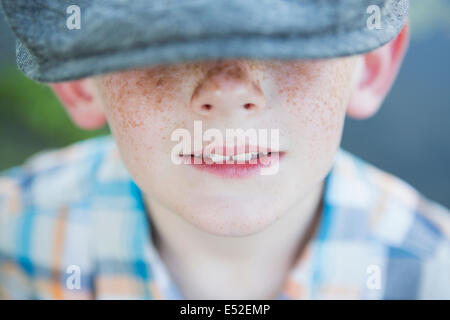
(227, 89)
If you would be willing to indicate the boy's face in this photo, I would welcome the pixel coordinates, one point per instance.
(305, 100)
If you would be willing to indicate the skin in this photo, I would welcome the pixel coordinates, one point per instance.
(305, 100)
(203, 222)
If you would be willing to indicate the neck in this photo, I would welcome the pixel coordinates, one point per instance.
(191, 254)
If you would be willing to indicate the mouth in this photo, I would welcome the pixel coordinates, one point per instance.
(234, 162)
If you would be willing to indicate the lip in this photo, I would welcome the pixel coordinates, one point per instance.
(233, 150)
(234, 169)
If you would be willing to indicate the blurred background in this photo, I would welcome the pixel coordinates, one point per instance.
(409, 136)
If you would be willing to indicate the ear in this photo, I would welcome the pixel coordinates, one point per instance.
(81, 101)
(376, 77)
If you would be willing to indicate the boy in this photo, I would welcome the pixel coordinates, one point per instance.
(137, 216)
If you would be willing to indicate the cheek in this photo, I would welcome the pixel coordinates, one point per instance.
(315, 97)
(140, 122)
(324, 112)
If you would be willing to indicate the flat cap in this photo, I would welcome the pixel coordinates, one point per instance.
(62, 40)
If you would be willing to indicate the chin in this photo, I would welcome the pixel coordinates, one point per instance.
(226, 219)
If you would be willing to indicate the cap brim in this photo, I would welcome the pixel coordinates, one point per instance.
(103, 47)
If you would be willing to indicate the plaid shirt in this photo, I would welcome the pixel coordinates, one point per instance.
(75, 213)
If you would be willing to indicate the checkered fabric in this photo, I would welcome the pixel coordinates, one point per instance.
(75, 213)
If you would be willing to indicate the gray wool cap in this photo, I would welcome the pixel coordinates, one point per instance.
(57, 41)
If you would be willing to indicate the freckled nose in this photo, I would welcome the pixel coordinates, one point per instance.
(227, 89)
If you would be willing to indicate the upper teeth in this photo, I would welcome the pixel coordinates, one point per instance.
(217, 158)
